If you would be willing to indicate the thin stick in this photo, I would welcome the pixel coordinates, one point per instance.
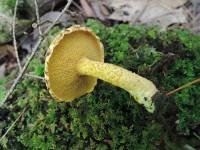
(34, 49)
(197, 136)
(34, 76)
(183, 86)
(38, 17)
(12, 125)
(14, 36)
(77, 6)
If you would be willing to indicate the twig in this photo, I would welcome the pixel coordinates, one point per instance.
(197, 136)
(34, 49)
(38, 17)
(34, 76)
(12, 125)
(77, 6)
(14, 36)
(183, 86)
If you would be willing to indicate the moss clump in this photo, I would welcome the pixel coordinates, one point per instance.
(108, 118)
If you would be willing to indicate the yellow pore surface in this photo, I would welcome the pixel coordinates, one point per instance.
(63, 79)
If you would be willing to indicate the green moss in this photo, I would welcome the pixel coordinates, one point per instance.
(108, 118)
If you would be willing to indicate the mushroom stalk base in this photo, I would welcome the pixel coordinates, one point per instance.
(140, 88)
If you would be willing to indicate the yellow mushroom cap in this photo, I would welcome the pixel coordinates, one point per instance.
(61, 76)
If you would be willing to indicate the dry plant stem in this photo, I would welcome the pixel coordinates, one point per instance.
(140, 88)
(183, 87)
(34, 49)
(77, 6)
(12, 125)
(197, 136)
(34, 76)
(14, 36)
(38, 17)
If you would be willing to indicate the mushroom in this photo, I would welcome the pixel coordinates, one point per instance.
(74, 62)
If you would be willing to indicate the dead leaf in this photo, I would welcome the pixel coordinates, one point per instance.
(6, 49)
(125, 10)
(159, 12)
(163, 17)
(87, 9)
(7, 58)
(47, 19)
(99, 10)
(44, 6)
(27, 43)
(173, 3)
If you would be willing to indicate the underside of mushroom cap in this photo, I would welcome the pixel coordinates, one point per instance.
(61, 76)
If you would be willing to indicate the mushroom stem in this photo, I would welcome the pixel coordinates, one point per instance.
(140, 88)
